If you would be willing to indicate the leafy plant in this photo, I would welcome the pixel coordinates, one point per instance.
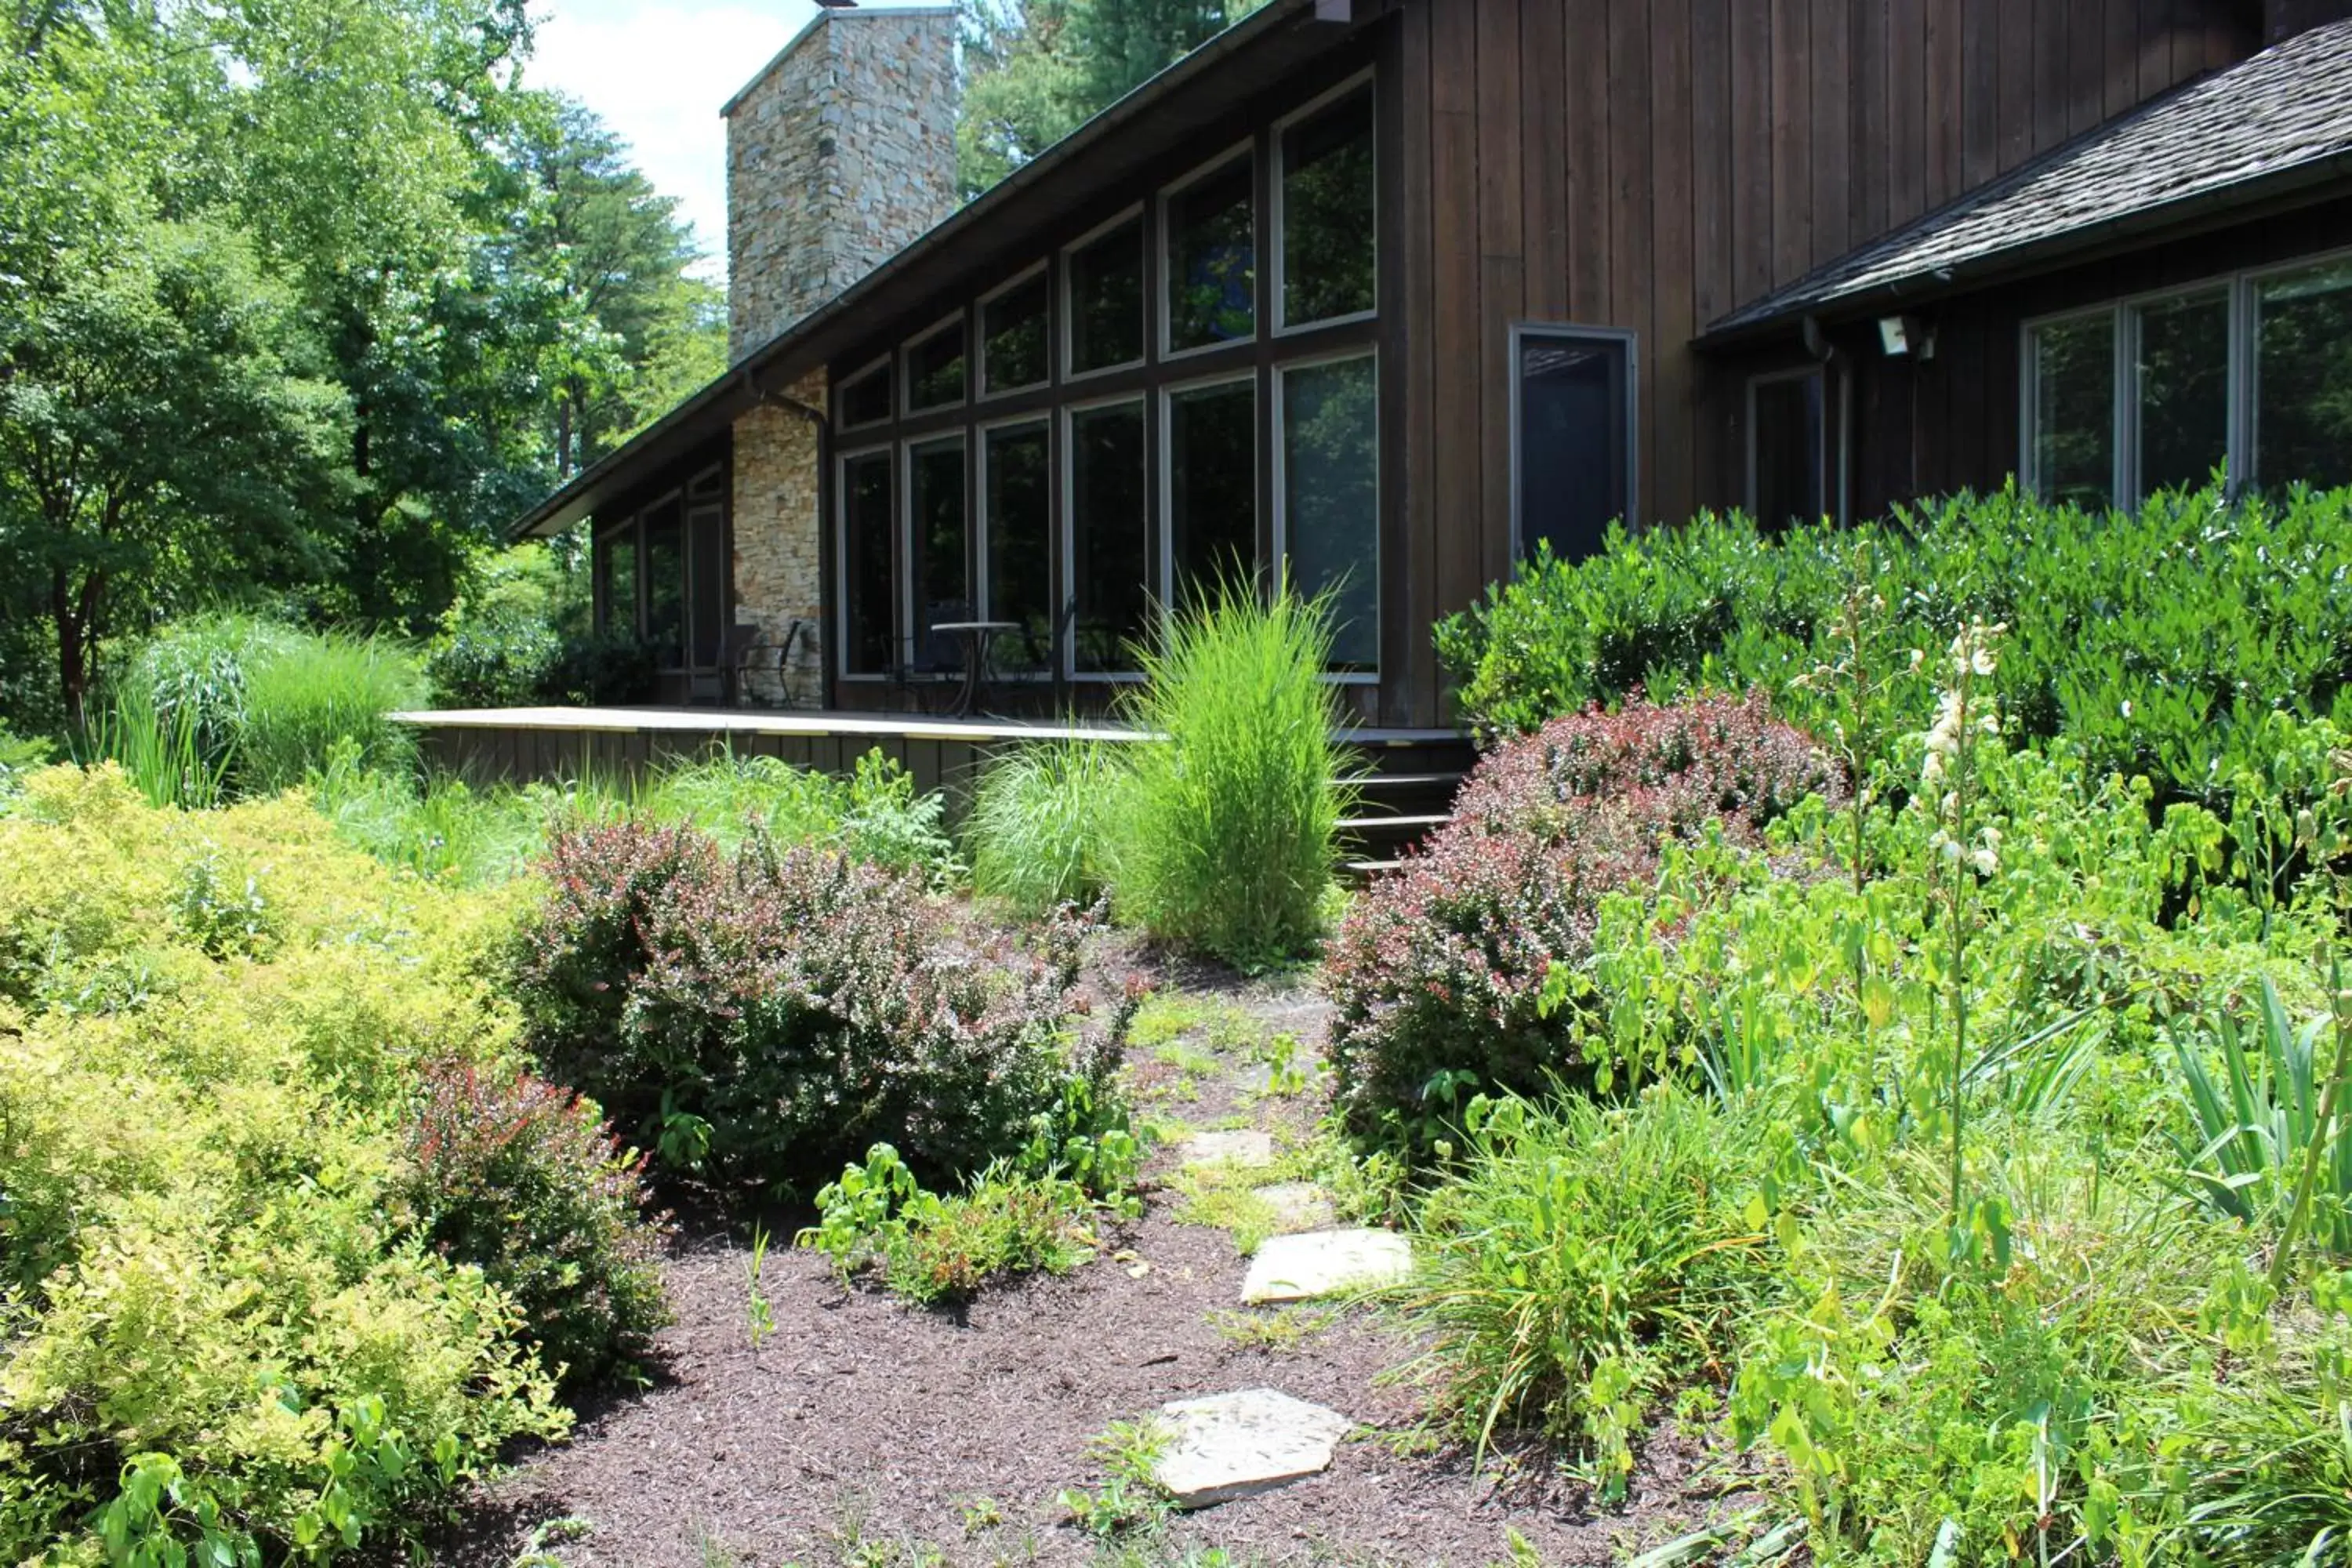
(758, 1313)
(1130, 1496)
(2271, 1150)
(933, 1249)
(1224, 827)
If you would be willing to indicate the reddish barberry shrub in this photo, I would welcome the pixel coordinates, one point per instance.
(803, 1006)
(519, 1177)
(1437, 971)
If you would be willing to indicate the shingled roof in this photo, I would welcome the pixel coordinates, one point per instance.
(2276, 122)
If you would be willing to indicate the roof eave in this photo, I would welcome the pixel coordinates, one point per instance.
(2240, 201)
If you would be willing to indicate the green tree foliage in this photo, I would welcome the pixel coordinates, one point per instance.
(1037, 69)
(303, 300)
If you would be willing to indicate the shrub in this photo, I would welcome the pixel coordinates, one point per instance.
(518, 1177)
(1223, 833)
(2158, 640)
(778, 1013)
(596, 667)
(1035, 830)
(19, 755)
(222, 1337)
(1452, 975)
(501, 644)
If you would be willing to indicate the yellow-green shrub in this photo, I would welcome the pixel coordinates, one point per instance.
(222, 1322)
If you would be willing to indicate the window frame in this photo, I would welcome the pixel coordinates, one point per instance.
(841, 461)
(983, 520)
(1279, 432)
(1831, 507)
(883, 363)
(2242, 290)
(954, 321)
(1166, 465)
(1066, 459)
(1066, 338)
(1521, 331)
(978, 382)
(1277, 218)
(1164, 317)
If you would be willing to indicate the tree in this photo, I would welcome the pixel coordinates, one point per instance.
(159, 438)
(647, 332)
(1037, 69)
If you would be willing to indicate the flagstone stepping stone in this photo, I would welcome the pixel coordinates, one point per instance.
(1236, 1445)
(1247, 1146)
(1325, 1263)
(1298, 1205)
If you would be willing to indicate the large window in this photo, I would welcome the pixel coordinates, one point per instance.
(1787, 449)
(1325, 228)
(1573, 437)
(2249, 377)
(1212, 259)
(1014, 338)
(2074, 410)
(2183, 408)
(665, 584)
(1109, 543)
(935, 369)
(616, 580)
(868, 520)
(1105, 299)
(936, 589)
(1210, 456)
(1017, 512)
(2303, 376)
(1330, 497)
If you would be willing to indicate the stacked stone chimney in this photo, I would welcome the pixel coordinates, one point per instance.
(839, 154)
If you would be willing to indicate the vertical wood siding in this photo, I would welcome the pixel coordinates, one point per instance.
(1653, 164)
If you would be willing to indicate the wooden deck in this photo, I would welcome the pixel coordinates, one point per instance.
(516, 745)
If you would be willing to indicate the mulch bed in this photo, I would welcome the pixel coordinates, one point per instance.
(866, 1432)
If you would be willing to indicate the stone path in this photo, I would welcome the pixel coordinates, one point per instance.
(1302, 1267)
(1248, 1146)
(1234, 1444)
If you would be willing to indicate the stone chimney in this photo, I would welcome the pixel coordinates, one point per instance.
(839, 153)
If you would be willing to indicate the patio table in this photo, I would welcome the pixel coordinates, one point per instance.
(976, 636)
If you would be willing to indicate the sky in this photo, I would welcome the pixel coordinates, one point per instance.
(659, 70)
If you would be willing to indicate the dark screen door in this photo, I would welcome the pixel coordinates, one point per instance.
(1574, 461)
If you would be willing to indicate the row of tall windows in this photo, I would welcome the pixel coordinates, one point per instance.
(1098, 436)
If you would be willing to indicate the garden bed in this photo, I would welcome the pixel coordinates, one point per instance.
(867, 1432)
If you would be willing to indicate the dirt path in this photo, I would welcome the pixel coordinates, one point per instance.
(867, 1434)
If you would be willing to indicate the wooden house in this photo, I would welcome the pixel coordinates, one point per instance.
(1383, 292)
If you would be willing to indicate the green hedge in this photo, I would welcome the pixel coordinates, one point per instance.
(2157, 640)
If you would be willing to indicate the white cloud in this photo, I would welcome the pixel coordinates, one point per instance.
(659, 70)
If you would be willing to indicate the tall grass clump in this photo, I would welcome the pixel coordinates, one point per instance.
(1223, 836)
(264, 704)
(307, 690)
(1035, 833)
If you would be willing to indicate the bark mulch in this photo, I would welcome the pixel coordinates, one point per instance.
(866, 1433)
